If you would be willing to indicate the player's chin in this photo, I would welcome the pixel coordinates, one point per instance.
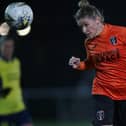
(90, 36)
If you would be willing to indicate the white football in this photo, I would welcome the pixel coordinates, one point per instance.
(18, 15)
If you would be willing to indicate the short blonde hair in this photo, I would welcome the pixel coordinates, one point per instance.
(88, 10)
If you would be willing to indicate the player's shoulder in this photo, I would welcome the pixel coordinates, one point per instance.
(16, 59)
(1, 60)
(116, 27)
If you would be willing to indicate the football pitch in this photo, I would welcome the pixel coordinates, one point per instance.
(39, 123)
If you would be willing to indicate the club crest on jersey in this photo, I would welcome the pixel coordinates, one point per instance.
(100, 115)
(113, 40)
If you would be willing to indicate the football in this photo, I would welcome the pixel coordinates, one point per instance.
(18, 15)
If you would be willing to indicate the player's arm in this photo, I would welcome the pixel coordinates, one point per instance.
(3, 91)
(87, 63)
(80, 65)
(122, 35)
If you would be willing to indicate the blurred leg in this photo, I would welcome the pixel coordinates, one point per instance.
(104, 109)
(23, 119)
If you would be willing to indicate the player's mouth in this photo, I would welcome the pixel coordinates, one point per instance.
(88, 34)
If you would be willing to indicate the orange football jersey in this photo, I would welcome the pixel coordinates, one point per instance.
(107, 54)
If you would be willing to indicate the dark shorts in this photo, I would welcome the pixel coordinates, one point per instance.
(18, 119)
(108, 111)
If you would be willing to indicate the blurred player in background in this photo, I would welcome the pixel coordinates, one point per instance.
(106, 53)
(12, 107)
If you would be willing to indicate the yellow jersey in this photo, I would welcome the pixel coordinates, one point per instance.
(10, 75)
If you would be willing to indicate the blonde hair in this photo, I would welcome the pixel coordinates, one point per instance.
(87, 10)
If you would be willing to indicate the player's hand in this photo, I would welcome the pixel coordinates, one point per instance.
(74, 62)
(4, 92)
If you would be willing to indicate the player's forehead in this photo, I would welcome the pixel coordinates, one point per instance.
(86, 20)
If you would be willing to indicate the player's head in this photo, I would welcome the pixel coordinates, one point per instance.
(4, 29)
(89, 18)
(6, 47)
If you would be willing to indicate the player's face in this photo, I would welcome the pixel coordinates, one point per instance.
(7, 49)
(90, 26)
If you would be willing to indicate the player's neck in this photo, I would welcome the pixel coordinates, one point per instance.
(99, 30)
(6, 58)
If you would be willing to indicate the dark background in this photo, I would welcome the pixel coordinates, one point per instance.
(54, 38)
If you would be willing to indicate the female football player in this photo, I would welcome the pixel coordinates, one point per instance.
(12, 107)
(106, 53)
